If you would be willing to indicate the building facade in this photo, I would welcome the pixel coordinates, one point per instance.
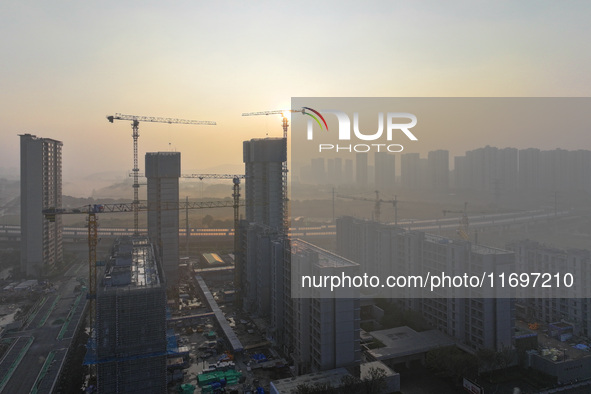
(131, 344)
(163, 170)
(41, 188)
(325, 325)
(438, 170)
(410, 170)
(563, 304)
(477, 319)
(261, 235)
(317, 333)
(263, 161)
(385, 171)
(361, 170)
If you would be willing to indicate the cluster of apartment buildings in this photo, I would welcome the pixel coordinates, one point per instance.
(129, 347)
(319, 330)
(487, 169)
(479, 318)
(316, 329)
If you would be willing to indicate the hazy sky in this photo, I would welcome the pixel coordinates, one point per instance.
(65, 65)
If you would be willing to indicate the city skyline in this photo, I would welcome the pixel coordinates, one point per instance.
(63, 76)
(301, 289)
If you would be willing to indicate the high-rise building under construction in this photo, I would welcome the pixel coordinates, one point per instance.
(131, 321)
(163, 170)
(266, 264)
(262, 233)
(41, 188)
(263, 160)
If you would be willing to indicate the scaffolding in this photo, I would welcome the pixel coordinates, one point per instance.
(130, 346)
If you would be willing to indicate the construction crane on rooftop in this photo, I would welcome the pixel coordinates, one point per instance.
(285, 124)
(135, 134)
(377, 204)
(91, 211)
(283, 112)
(463, 227)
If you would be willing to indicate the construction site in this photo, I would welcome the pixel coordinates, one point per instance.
(159, 303)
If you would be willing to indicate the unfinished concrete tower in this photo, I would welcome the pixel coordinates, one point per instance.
(131, 345)
(41, 188)
(263, 231)
(163, 170)
(263, 160)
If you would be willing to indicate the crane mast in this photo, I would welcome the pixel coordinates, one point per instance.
(463, 226)
(284, 169)
(92, 219)
(235, 194)
(377, 204)
(236, 201)
(135, 135)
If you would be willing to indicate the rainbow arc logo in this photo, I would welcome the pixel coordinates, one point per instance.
(315, 118)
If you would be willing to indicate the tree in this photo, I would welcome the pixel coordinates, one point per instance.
(375, 381)
(317, 388)
(452, 362)
(505, 357)
(207, 220)
(487, 360)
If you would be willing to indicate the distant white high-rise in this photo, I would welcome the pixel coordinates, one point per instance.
(410, 170)
(385, 171)
(361, 170)
(438, 170)
(163, 170)
(348, 171)
(41, 188)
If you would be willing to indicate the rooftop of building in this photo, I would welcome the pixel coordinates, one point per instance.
(438, 239)
(133, 264)
(332, 377)
(549, 249)
(365, 369)
(479, 249)
(34, 137)
(325, 258)
(404, 341)
(552, 348)
(212, 258)
(267, 139)
(163, 153)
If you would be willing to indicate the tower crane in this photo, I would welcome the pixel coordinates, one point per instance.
(378, 204)
(463, 228)
(282, 112)
(235, 194)
(236, 199)
(285, 124)
(135, 122)
(91, 211)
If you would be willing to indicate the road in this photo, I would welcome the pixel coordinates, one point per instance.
(476, 221)
(51, 329)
